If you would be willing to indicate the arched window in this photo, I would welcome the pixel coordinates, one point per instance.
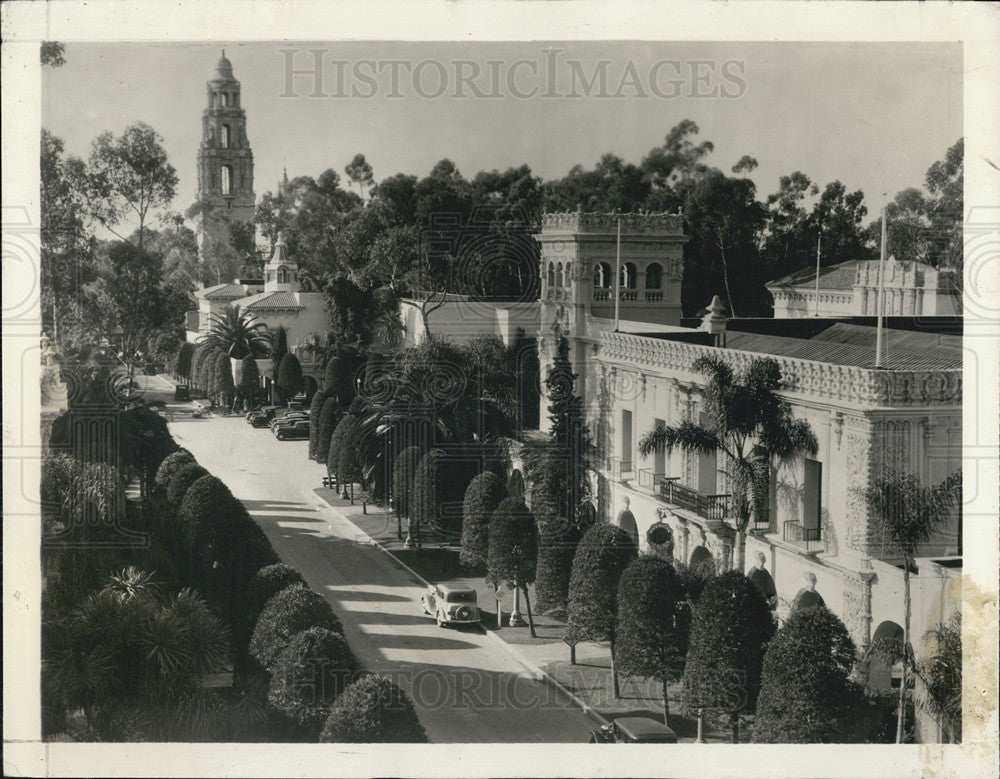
(227, 180)
(226, 133)
(225, 98)
(628, 275)
(559, 275)
(602, 275)
(552, 275)
(282, 275)
(654, 275)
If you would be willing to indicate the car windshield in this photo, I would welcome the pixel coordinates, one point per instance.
(461, 597)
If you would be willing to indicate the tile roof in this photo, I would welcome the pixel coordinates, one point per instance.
(265, 301)
(223, 291)
(840, 276)
(848, 344)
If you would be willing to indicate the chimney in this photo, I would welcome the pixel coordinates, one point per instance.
(714, 321)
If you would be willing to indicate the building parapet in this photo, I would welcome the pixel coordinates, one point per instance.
(588, 222)
(846, 384)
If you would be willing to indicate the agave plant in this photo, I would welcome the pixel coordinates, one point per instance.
(238, 334)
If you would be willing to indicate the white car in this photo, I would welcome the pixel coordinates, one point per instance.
(451, 604)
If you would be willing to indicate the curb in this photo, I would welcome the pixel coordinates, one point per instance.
(536, 671)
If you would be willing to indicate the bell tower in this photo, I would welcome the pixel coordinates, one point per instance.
(225, 161)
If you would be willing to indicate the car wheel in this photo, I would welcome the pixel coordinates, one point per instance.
(464, 613)
(280, 436)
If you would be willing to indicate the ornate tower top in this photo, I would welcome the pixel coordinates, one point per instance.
(225, 160)
(281, 274)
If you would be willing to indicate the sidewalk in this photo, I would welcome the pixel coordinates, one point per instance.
(547, 656)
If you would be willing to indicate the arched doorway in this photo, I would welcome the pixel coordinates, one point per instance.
(885, 668)
(702, 562)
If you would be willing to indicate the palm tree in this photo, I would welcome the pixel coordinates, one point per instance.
(238, 334)
(910, 514)
(750, 424)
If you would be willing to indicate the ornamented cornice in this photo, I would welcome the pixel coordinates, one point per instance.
(644, 224)
(826, 381)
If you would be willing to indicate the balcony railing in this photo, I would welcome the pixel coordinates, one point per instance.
(707, 506)
(796, 533)
(654, 297)
(627, 295)
(651, 480)
(624, 468)
(602, 294)
(761, 520)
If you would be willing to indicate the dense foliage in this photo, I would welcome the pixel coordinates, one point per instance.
(309, 675)
(403, 471)
(557, 540)
(329, 418)
(806, 693)
(513, 548)
(290, 381)
(294, 609)
(482, 497)
(729, 633)
(373, 710)
(182, 479)
(170, 465)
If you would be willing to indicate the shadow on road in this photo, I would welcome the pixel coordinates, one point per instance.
(419, 643)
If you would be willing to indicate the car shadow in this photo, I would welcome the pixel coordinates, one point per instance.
(410, 641)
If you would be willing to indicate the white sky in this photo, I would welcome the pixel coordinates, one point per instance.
(873, 115)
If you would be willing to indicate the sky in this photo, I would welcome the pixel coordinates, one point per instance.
(874, 116)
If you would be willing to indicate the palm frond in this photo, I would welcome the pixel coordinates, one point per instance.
(686, 436)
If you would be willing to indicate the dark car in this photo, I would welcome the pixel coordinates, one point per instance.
(182, 392)
(261, 417)
(299, 429)
(149, 369)
(633, 730)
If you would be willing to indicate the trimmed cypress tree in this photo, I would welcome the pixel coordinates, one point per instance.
(308, 676)
(513, 549)
(602, 555)
(279, 348)
(557, 541)
(329, 418)
(184, 356)
(482, 498)
(438, 488)
(373, 710)
(170, 465)
(403, 471)
(806, 694)
(294, 609)
(263, 585)
(209, 516)
(224, 379)
(348, 464)
(250, 380)
(315, 414)
(652, 638)
(729, 633)
(183, 478)
(290, 380)
(197, 358)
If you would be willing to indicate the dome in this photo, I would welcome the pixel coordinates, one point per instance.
(225, 68)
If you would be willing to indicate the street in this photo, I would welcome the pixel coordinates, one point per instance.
(466, 687)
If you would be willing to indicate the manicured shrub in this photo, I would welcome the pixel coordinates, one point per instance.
(344, 444)
(601, 556)
(403, 471)
(438, 490)
(373, 710)
(262, 586)
(806, 695)
(315, 414)
(651, 638)
(557, 542)
(211, 520)
(184, 356)
(290, 380)
(170, 465)
(224, 385)
(729, 633)
(513, 549)
(183, 478)
(291, 611)
(309, 675)
(250, 380)
(482, 498)
(200, 353)
(329, 417)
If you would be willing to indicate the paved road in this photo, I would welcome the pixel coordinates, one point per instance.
(466, 687)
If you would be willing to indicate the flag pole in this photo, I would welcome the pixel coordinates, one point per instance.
(819, 238)
(618, 271)
(879, 302)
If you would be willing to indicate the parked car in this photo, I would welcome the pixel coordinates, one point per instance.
(298, 429)
(182, 392)
(633, 730)
(261, 417)
(451, 604)
(289, 419)
(149, 369)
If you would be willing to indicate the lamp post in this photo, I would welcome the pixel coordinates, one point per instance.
(516, 620)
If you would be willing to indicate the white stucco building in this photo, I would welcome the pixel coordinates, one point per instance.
(851, 289)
